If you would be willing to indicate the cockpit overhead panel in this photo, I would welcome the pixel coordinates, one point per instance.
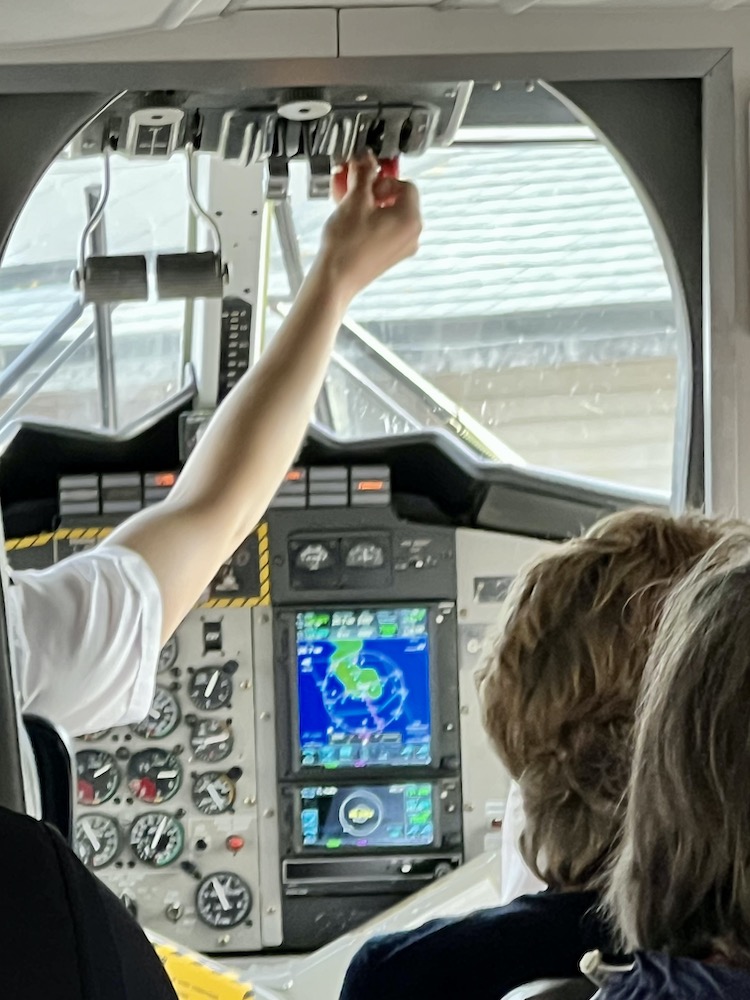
(325, 126)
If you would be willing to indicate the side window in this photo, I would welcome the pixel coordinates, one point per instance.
(147, 212)
(537, 321)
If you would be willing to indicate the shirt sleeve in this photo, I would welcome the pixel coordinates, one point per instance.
(86, 639)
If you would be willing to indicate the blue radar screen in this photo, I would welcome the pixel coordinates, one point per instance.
(364, 688)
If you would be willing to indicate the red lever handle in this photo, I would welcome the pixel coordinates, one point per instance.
(340, 180)
(390, 168)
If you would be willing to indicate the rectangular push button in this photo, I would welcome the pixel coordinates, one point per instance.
(122, 493)
(156, 486)
(371, 486)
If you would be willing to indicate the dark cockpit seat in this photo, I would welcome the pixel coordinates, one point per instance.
(54, 764)
(63, 933)
(554, 989)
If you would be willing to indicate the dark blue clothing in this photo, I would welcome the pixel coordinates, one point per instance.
(659, 977)
(484, 955)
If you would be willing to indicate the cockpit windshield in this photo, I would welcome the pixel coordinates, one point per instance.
(537, 324)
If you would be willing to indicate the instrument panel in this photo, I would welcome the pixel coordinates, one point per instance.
(313, 751)
(168, 808)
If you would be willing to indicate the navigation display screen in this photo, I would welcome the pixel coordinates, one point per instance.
(364, 687)
(374, 816)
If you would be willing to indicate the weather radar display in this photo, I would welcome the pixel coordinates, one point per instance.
(364, 687)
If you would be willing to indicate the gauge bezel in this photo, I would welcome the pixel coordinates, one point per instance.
(173, 822)
(133, 778)
(228, 742)
(115, 770)
(172, 646)
(225, 680)
(136, 727)
(119, 839)
(213, 776)
(219, 925)
(99, 734)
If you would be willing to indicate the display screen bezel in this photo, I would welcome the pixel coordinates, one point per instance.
(346, 850)
(435, 721)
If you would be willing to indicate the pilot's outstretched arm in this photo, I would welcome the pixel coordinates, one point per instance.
(242, 458)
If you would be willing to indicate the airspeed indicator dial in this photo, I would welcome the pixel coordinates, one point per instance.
(157, 839)
(223, 900)
(98, 840)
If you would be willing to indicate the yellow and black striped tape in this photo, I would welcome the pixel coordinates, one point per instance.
(71, 534)
(91, 534)
(264, 596)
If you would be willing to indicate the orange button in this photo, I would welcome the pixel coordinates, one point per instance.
(165, 479)
(235, 843)
(370, 486)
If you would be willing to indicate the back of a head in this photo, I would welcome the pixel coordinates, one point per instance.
(682, 880)
(559, 689)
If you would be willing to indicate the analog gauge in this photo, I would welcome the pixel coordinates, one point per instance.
(98, 840)
(157, 839)
(162, 718)
(223, 900)
(93, 737)
(210, 688)
(314, 557)
(154, 775)
(211, 740)
(168, 655)
(98, 776)
(365, 555)
(213, 793)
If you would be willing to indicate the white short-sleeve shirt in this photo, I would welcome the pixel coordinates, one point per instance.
(84, 640)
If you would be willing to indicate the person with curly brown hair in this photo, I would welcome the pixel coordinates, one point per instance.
(558, 694)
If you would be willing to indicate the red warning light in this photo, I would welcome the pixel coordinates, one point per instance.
(370, 486)
(165, 479)
(235, 843)
(293, 476)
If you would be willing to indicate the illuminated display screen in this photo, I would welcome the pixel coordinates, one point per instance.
(364, 687)
(373, 816)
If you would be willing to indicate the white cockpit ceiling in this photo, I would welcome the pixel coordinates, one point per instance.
(36, 22)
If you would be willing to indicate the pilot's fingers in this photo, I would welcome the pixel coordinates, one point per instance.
(399, 201)
(361, 173)
(405, 198)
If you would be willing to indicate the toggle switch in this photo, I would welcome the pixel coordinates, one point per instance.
(211, 637)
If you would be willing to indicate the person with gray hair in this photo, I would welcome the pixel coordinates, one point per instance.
(679, 891)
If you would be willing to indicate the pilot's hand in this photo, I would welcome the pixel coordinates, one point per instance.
(376, 225)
